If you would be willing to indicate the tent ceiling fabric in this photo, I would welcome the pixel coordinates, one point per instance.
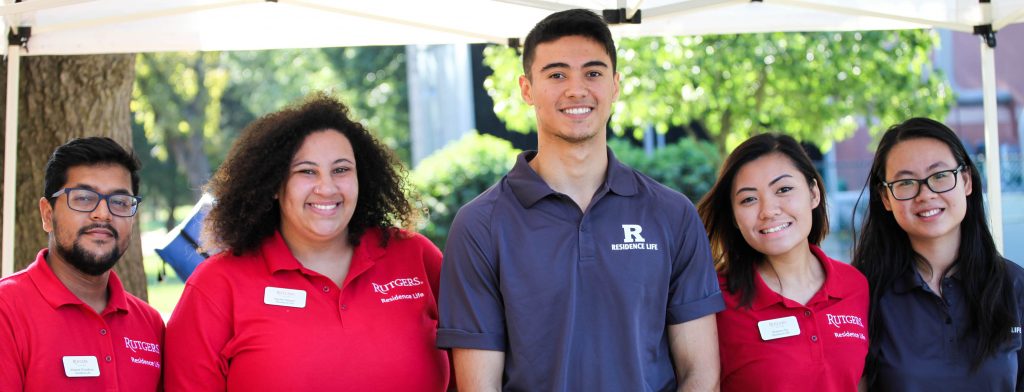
(119, 26)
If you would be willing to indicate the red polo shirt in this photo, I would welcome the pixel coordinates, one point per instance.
(42, 325)
(827, 355)
(261, 321)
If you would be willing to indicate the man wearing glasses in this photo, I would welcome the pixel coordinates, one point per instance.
(66, 323)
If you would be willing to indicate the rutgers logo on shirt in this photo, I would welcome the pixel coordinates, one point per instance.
(139, 348)
(399, 289)
(845, 323)
(633, 239)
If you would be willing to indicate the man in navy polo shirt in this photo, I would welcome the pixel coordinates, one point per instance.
(575, 272)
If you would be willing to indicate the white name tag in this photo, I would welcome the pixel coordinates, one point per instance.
(778, 328)
(284, 297)
(81, 366)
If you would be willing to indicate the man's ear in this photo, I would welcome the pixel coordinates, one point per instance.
(46, 213)
(525, 89)
(615, 97)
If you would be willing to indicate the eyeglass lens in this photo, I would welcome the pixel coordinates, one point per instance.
(85, 200)
(939, 182)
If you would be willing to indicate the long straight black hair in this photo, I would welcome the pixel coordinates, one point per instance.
(883, 252)
(733, 256)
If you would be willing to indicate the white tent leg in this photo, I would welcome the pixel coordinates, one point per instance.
(10, 158)
(994, 177)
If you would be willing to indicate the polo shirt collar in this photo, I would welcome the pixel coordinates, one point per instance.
(908, 281)
(57, 294)
(832, 288)
(530, 188)
(911, 280)
(279, 257)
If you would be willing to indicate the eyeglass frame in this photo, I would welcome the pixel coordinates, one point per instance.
(100, 197)
(924, 181)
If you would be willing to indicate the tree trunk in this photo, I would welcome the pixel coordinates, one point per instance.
(64, 97)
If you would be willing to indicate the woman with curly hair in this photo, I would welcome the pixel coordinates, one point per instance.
(946, 307)
(794, 318)
(316, 289)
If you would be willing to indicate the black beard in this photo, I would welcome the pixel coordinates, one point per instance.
(88, 263)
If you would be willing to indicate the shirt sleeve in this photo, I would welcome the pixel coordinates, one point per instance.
(693, 289)
(471, 309)
(12, 368)
(195, 339)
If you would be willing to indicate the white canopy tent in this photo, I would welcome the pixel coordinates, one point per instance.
(68, 27)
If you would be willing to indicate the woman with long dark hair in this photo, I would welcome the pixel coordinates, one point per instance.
(945, 306)
(794, 318)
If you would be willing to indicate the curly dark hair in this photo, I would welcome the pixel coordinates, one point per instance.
(256, 168)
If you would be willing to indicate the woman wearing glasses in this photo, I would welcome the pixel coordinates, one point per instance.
(316, 289)
(945, 306)
(794, 318)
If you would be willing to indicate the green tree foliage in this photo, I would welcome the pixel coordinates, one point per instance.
(688, 166)
(163, 186)
(375, 89)
(176, 103)
(371, 81)
(457, 173)
(813, 86)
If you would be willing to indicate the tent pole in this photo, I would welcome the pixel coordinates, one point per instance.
(992, 159)
(10, 158)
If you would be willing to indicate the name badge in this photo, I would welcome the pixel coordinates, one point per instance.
(81, 366)
(778, 328)
(284, 297)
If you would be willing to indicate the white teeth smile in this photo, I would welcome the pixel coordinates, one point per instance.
(324, 207)
(576, 111)
(775, 229)
(929, 213)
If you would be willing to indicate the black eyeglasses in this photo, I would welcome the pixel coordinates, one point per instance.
(938, 182)
(86, 200)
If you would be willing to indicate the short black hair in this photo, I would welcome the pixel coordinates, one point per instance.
(87, 151)
(566, 23)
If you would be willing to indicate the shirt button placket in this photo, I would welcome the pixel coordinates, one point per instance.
(108, 345)
(586, 239)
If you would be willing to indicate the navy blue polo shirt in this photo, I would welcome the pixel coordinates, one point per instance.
(921, 347)
(577, 300)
